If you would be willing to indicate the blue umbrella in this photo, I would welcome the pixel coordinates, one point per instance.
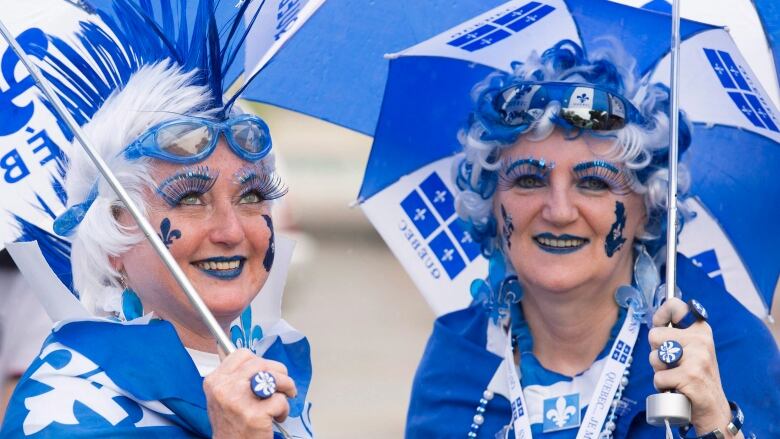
(333, 68)
(407, 193)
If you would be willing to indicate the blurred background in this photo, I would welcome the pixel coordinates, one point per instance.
(366, 321)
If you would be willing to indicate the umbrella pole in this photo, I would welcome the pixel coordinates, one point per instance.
(670, 408)
(151, 235)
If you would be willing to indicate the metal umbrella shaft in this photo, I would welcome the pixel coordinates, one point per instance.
(151, 235)
(669, 408)
(674, 141)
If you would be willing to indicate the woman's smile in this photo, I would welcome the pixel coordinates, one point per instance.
(222, 267)
(560, 244)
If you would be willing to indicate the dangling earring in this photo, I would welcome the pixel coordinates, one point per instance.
(132, 308)
(646, 275)
(640, 298)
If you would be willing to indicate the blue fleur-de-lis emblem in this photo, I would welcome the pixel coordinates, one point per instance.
(583, 98)
(166, 234)
(246, 335)
(561, 413)
(670, 352)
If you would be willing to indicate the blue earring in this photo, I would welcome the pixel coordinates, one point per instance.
(132, 308)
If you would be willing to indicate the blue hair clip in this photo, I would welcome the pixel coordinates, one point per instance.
(71, 218)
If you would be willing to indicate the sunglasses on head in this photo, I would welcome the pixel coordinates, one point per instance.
(188, 140)
(583, 106)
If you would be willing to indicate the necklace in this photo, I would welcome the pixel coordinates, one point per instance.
(606, 432)
(601, 413)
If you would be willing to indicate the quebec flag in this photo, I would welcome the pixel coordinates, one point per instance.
(417, 219)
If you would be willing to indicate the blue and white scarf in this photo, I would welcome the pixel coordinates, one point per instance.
(101, 378)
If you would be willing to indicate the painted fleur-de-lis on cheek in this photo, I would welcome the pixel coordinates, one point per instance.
(268, 260)
(508, 227)
(166, 234)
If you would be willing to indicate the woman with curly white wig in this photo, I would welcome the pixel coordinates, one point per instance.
(203, 174)
(563, 182)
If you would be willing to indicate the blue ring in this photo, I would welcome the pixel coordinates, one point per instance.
(670, 352)
(263, 385)
(696, 313)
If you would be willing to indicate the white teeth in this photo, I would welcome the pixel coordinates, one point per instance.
(211, 265)
(560, 243)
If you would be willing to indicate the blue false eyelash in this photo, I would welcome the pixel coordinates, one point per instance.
(254, 178)
(192, 180)
(512, 169)
(618, 180)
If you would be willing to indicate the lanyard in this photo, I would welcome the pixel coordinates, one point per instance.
(599, 405)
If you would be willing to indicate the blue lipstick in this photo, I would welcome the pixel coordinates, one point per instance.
(224, 274)
(542, 240)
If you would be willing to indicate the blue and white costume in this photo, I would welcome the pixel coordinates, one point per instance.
(96, 378)
(444, 398)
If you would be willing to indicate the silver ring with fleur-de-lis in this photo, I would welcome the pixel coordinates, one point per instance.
(670, 352)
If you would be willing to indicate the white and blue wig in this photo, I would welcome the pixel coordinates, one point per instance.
(641, 148)
(117, 80)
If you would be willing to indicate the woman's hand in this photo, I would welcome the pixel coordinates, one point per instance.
(696, 375)
(234, 410)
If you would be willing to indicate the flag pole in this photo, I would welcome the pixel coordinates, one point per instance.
(669, 408)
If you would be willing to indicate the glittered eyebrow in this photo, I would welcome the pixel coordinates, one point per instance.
(256, 178)
(584, 166)
(618, 179)
(513, 168)
(196, 179)
(511, 165)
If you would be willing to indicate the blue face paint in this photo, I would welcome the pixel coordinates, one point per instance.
(598, 175)
(615, 237)
(526, 173)
(508, 227)
(166, 234)
(268, 260)
(222, 267)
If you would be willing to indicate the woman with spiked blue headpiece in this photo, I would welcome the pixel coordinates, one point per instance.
(563, 179)
(150, 97)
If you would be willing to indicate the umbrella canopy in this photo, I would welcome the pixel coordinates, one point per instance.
(333, 68)
(754, 25)
(407, 192)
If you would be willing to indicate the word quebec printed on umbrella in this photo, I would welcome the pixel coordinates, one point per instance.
(408, 190)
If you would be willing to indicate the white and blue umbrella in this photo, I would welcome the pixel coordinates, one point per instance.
(333, 68)
(407, 192)
(753, 24)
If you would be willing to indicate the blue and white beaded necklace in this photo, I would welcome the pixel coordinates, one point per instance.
(599, 419)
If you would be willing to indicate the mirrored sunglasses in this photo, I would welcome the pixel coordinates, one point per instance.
(582, 105)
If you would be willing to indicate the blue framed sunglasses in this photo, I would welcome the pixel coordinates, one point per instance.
(188, 140)
(585, 106)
